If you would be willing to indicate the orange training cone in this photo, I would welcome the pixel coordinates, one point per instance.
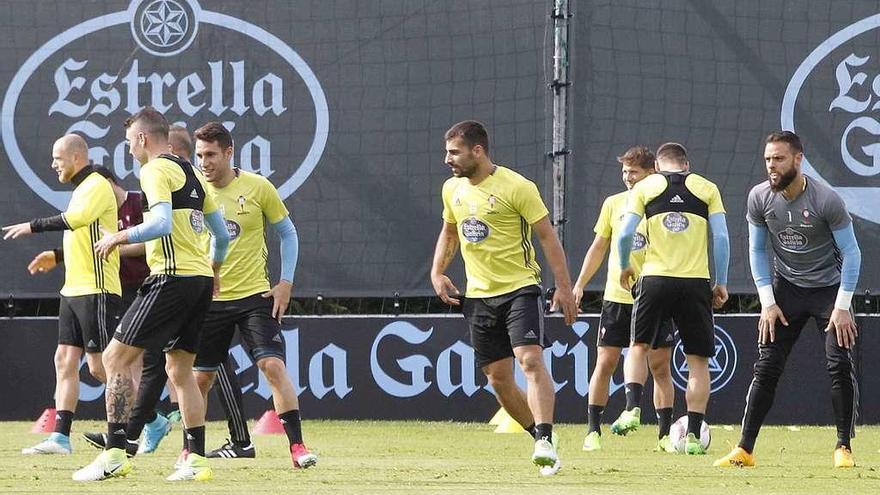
(268, 424)
(45, 423)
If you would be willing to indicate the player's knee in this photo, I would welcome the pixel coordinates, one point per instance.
(177, 374)
(605, 365)
(273, 369)
(498, 378)
(66, 361)
(205, 380)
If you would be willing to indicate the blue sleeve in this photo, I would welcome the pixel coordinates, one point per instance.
(219, 235)
(758, 255)
(625, 240)
(852, 257)
(720, 246)
(289, 247)
(158, 225)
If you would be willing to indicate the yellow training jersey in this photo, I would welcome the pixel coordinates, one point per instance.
(608, 226)
(677, 208)
(92, 208)
(247, 203)
(494, 220)
(183, 252)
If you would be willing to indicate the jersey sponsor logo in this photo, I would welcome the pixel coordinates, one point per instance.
(248, 85)
(792, 239)
(234, 229)
(474, 230)
(722, 366)
(197, 221)
(843, 61)
(675, 222)
(639, 241)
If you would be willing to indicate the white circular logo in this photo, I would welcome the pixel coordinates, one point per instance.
(722, 365)
(164, 27)
(675, 222)
(197, 220)
(234, 229)
(639, 241)
(849, 110)
(92, 94)
(474, 230)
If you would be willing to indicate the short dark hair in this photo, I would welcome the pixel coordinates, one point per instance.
(179, 138)
(785, 137)
(673, 152)
(639, 156)
(152, 121)
(472, 132)
(214, 132)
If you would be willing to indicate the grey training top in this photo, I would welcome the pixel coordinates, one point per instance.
(800, 231)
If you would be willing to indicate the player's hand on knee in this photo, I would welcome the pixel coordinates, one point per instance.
(445, 289)
(767, 323)
(844, 327)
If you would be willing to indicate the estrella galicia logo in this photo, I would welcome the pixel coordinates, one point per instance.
(844, 62)
(197, 220)
(474, 230)
(234, 229)
(722, 365)
(237, 73)
(792, 239)
(675, 222)
(639, 241)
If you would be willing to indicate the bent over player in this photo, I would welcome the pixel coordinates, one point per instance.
(817, 262)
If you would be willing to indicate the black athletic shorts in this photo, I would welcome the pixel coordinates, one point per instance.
(687, 301)
(498, 324)
(88, 321)
(615, 328)
(167, 313)
(252, 316)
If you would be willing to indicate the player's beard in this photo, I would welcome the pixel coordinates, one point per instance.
(784, 180)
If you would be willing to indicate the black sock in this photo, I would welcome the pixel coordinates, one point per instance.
(115, 436)
(594, 418)
(633, 395)
(292, 426)
(695, 423)
(664, 421)
(531, 430)
(543, 430)
(195, 438)
(63, 419)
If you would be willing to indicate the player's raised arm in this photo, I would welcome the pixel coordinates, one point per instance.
(158, 225)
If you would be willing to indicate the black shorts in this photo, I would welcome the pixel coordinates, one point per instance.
(498, 324)
(167, 313)
(88, 321)
(687, 301)
(615, 328)
(252, 316)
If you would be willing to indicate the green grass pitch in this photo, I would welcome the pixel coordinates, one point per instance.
(430, 457)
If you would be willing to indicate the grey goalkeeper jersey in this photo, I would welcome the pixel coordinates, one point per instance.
(800, 231)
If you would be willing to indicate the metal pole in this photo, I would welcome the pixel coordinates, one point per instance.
(559, 154)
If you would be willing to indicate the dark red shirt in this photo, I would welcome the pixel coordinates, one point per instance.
(132, 270)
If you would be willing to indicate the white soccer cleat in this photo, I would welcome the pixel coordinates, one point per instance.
(545, 452)
(55, 444)
(194, 468)
(551, 470)
(111, 463)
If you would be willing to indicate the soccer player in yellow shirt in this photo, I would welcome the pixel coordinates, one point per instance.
(615, 321)
(246, 299)
(171, 304)
(680, 209)
(91, 296)
(489, 211)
